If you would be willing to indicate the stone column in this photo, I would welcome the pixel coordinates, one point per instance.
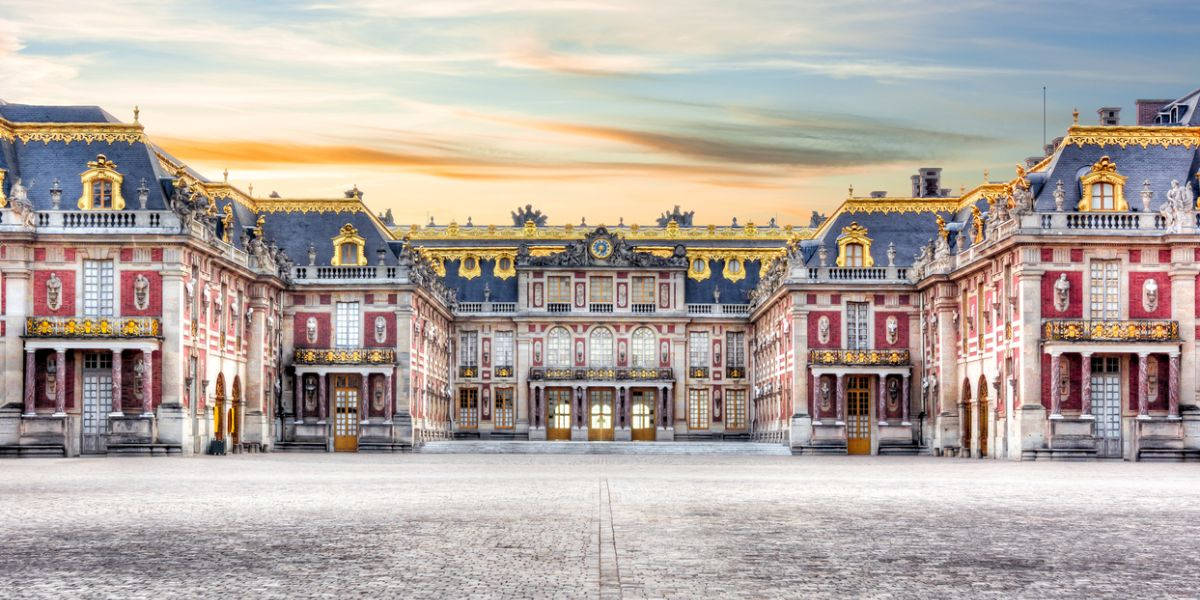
(389, 409)
(1055, 388)
(60, 387)
(882, 410)
(321, 408)
(840, 418)
(30, 381)
(298, 397)
(148, 384)
(1143, 386)
(1173, 375)
(535, 412)
(904, 399)
(116, 383)
(1085, 384)
(364, 406)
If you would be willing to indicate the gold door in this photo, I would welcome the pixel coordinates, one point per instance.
(642, 407)
(983, 427)
(858, 415)
(600, 415)
(345, 414)
(558, 407)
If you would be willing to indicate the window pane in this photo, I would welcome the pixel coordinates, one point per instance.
(601, 289)
(644, 348)
(97, 288)
(503, 348)
(601, 352)
(698, 349)
(346, 325)
(558, 348)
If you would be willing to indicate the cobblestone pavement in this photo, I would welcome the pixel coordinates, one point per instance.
(473, 526)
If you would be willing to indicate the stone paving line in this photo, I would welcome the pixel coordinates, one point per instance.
(513, 526)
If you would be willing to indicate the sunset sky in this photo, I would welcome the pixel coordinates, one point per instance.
(603, 108)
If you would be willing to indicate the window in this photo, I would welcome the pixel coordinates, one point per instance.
(643, 355)
(559, 290)
(697, 409)
(348, 254)
(468, 349)
(558, 348)
(601, 290)
(504, 408)
(1104, 294)
(349, 248)
(502, 349)
(346, 325)
(102, 194)
(643, 290)
(698, 349)
(101, 185)
(1103, 197)
(600, 348)
(97, 288)
(468, 408)
(735, 409)
(735, 352)
(857, 337)
(854, 255)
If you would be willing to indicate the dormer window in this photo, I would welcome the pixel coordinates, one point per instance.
(1103, 188)
(348, 248)
(854, 255)
(101, 186)
(854, 247)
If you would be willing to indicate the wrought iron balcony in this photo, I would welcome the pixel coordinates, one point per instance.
(868, 358)
(735, 372)
(92, 327)
(504, 371)
(1143, 330)
(600, 374)
(698, 372)
(344, 356)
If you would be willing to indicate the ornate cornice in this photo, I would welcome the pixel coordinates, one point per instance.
(1124, 136)
(453, 231)
(898, 205)
(71, 132)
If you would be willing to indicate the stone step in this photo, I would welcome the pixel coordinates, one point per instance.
(528, 447)
(300, 447)
(30, 450)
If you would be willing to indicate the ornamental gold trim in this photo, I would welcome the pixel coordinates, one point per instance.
(76, 327)
(343, 356)
(631, 232)
(898, 205)
(1124, 136)
(1103, 171)
(1110, 331)
(348, 235)
(101, 169)
(854, 234)
(870, 358)
(71, 132)
(744, 256)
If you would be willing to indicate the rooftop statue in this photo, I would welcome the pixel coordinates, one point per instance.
(527, 213)
(683, 219)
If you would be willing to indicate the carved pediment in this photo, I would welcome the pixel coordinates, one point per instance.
(602, 248)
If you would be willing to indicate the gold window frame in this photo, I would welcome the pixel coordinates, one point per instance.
(854, 234)
(348, 235)
(1103, 171)
(98, 170)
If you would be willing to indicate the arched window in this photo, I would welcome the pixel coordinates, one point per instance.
(101, 186)
(644, 343)
(854, 247)
(600, 348)
(1103, 188)
(349, 248)
(558, 348)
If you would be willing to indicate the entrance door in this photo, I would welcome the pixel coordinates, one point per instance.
(97, 401)
(982, 409)
(600, 415)
(643, 415)
(1106, 405)
(858, 415)
(558, 422)
(345, 414)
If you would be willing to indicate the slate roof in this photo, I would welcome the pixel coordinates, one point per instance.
(1154, 163)
(908, 230)
(293, 231)
(471, 290)
(32, 113)
(38, 164)
(701, 292)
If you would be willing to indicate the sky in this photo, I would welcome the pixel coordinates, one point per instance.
(604, 109)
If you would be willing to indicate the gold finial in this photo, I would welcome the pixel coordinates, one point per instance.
(1075, 116)
(986, 173)
(851, 190)
(226, 174)
(136, 111)
(250, 191)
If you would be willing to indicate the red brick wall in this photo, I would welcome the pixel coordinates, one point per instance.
(389, 339)
(67, 305)
(153, 307)
(835, 329)
(300, 333)
(881, 330)
(1136, 281)
(1074, 295)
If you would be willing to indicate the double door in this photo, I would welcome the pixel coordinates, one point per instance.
(558, 414)
(858, 415)
(345, 413)
(642, 408)
(1106, 405)
(600, 415)
(97, 401)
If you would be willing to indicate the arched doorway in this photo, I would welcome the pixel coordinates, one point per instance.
(982, 410)
(964, 404)
(235, 410)
(219, 408)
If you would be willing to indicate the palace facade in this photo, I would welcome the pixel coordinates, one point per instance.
(1047, 315)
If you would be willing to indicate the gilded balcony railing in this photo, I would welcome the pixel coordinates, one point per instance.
(344, 356)
(600, 374)
(870, 358)
(92, 327)
(1148, 330)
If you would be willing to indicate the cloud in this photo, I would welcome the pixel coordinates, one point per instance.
(531, 54)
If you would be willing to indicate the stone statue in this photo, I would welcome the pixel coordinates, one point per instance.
(21, 207)
(1150, 295)
(380, 329)
(141, 292)
(312, 254)
(893, 394)
(52, 375)
(891, 254)
(892, 328)
(825, 403)
(487, 292)
(139, 376)
(1147, 196)
(1060, 195)
(1022, 198)
(823, 329)
(1177, 211)
(1062, 293)
(377, 397)
(54, 292)
(310, 330)
(822, 256)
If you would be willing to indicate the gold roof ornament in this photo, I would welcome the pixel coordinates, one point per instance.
(854, 234)
(136, 112)
(976, 225)
(941, 225)
(98, 170)
(1075, 116)
(1103, 171)
(227, 222)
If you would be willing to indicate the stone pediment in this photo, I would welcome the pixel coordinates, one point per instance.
(605, 249)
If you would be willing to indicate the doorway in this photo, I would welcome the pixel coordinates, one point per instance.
(97, 401)
(345, 413)
(600, 415)
(858, 415)
(558, 422)
(642, 407)
(1106, 405)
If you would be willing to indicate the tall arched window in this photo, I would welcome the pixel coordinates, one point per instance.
(558, 348)
(644, 343)
(600, 348)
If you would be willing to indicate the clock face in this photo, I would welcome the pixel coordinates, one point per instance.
(601, 248)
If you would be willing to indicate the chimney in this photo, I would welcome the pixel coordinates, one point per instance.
(916, 186)
(1109, 115)
(879, 194)
(927, 183)
(1148, 109)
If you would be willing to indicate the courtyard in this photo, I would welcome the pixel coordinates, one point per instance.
(553, 526)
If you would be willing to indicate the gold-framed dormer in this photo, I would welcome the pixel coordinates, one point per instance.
(349, 248)
(854, 247)
(698, 267)
(469, 266)
(1102, 188)
(101, 186)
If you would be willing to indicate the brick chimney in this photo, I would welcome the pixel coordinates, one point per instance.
(1147, 109)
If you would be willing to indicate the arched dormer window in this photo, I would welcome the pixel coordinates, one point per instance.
(348, 248)
(101, 186)
(854, 247)
(1103, 188)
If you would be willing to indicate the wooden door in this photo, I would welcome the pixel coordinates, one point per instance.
(600, 415)
(858, 415)
(558, 407)
(642, 407)
(345, 413)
